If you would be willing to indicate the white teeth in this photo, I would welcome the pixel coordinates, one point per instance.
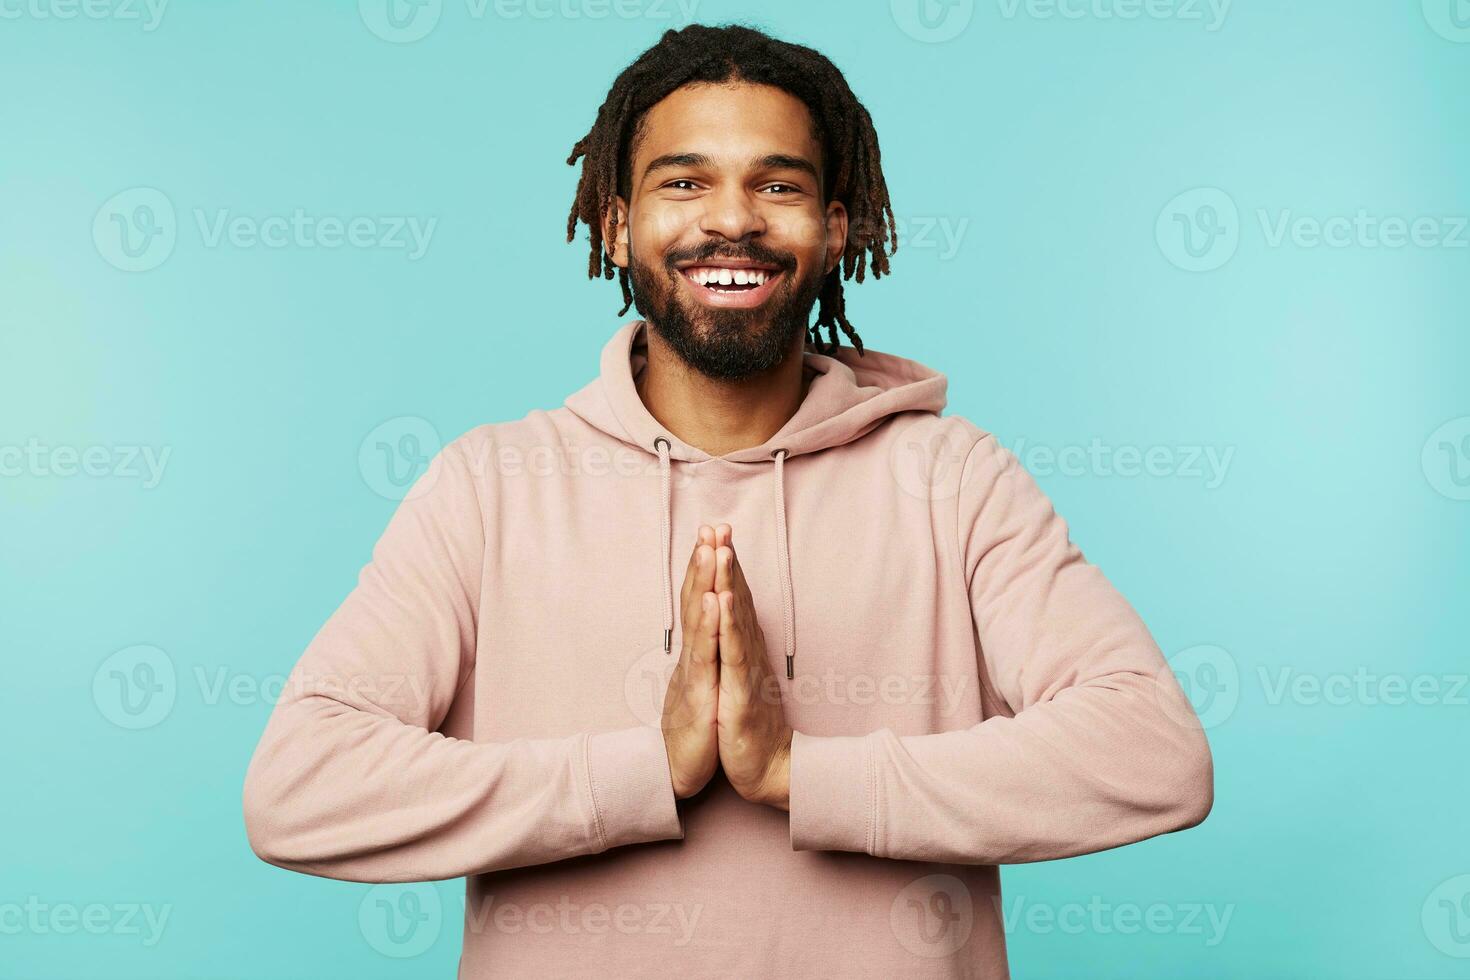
(712, 276)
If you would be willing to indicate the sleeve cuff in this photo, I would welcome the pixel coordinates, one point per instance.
(831, 794)
(632, 789)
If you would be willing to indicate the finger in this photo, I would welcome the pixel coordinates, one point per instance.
(704, 535)
(732, 639)
(723, 534)
(724, 569)
(738, 583)
(699, 580)
(704, 654)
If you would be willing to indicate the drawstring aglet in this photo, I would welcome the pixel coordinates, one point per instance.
(667, 635)
(789, 657)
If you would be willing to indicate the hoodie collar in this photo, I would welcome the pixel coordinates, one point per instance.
(848, 396)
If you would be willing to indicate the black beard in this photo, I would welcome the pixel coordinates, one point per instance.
(727, 344)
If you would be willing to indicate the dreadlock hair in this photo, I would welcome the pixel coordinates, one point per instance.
(699, 53)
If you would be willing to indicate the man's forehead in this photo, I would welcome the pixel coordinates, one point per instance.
(731, 125)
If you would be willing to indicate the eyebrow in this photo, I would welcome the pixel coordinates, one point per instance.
(771, 161)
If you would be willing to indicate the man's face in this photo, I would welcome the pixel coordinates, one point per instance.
(726, 177)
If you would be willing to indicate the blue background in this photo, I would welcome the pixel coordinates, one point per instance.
(1066, 306)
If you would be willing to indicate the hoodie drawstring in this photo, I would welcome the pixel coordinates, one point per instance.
(783, 551)
(666, 531)
(783, 561)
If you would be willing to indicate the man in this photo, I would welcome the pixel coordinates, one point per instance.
(883, 670)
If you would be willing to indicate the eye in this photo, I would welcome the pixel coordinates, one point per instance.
(681, 180)
(790, 187)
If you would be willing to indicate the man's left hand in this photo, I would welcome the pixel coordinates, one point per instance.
(754, 739)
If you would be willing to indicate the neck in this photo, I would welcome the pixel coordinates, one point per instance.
(717, 416)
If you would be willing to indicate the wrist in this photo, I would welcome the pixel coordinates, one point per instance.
(776, 787)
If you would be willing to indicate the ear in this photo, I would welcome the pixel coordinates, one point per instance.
(836, 235)
(616, 246)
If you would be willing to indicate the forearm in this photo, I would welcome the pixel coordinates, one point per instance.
(1098, 767)
(344, 793)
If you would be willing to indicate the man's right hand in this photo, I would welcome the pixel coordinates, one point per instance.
(690, 705)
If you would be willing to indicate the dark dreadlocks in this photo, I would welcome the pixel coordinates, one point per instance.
(734, 53)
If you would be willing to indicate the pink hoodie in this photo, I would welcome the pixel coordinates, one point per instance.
(967, 691)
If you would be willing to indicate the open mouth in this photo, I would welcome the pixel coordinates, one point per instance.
(731, 286)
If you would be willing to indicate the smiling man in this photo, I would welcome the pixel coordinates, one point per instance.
(746, 631)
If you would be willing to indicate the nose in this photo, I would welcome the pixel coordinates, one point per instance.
(731, 213)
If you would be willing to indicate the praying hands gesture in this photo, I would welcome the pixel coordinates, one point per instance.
(723, 703)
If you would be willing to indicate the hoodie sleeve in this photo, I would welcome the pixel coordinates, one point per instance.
(1096, 744)
(351, 779)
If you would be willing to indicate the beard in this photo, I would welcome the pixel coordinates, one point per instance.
(718, 342)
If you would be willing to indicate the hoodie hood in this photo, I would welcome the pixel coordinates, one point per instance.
(849, 396)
